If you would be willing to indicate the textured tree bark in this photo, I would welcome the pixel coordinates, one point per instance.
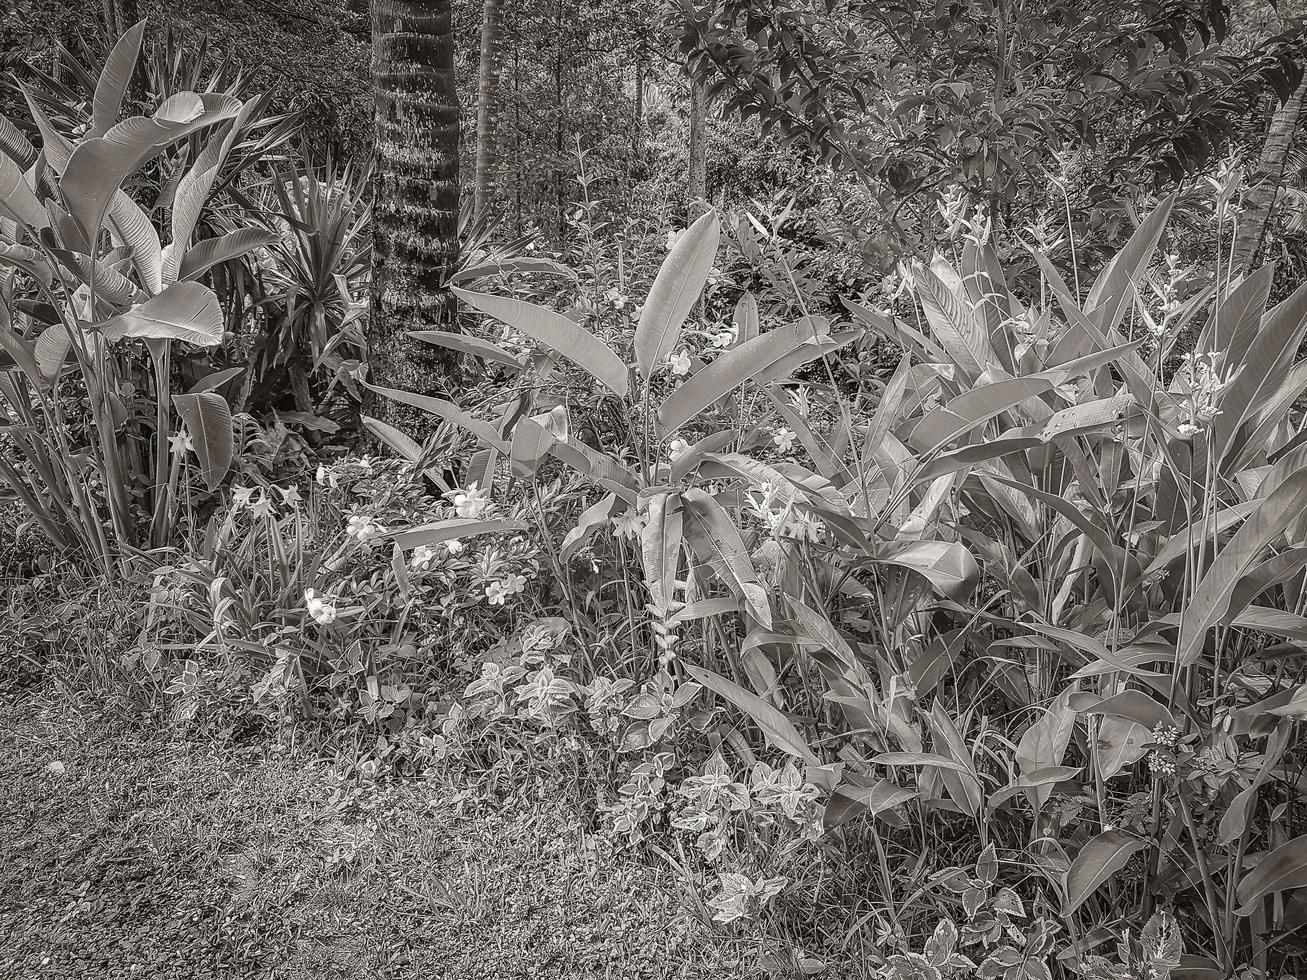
(1261, 198)
(415, 212)
(697, 183)
(487, 106)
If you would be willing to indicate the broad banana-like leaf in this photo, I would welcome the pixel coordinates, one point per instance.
(129, 226)
(465, 343)
(446, 410)
(745, 319)
(971, 409)
(1114, 288)
(947, 565)
(214, 251)
(1277, 871)
(17, 200)
(815, 347)
(1097, 861)
(599, 468)
(953, 322)
(716, 540)
(780, 731)
(728, 372)
(115, 77)
(591, 520)
(1210, 600)
(402, 443)
(1044, 744)
(558, 333)
(208, 420)
(184, 311)
(535, 436)
(97, 167)
(51, 351)
(457, 527)
(660, 546)
(674, 293)
(1238, 316)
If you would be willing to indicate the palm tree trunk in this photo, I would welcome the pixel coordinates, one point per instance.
(415, 213)
(487, 106)
(1261, 198)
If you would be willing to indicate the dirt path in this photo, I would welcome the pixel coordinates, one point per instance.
(127, 854)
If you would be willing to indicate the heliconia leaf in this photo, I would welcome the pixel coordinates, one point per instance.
(728, 372)
(115, 77)
(184, 311)
(660, 546)
(1044, 744)
(820, 628)
(716, 540)
(18, 201)
(1112, 291)
(208, 421)
(952, 322)
(214, 381)
(745, 319)
(1097, 861)
(947, 565)
(1209, 601)
(465, 343)
(1120, 742)
(964, 789)
(98, 166)
(1039, 781)
(214, 251)
(674, 292)
(558, 333)
(920, 759)
(51, 350)
(780, 731)
(817, 345)
(972, 408)
(130, 226)
(533, 437)
(1281, 869)
(402, 443)
(1263, 369)
(591, 520)
(448, 411)
(1238, 316)
(1086, 417)
(600, 468)
(848, 801)
(1134, 706)
(456, 527)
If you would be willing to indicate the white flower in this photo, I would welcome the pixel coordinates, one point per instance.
(242, 496)
(453, 546)
(725, 337)
(515, 583)
(180, 442)
(496, 593)
(784, 439)
(672, 238)
(289, 495)
(321, 608)
(325, 475)
(677, 448)
(629, 525)
(679, 362)
(471, 502)
(422, 557)
(365, 529)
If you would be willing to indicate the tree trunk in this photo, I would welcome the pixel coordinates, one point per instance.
(1261, 199)
(487, 106)
(697, 180)
(415, 212)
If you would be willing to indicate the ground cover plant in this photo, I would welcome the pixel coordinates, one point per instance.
(939, 616)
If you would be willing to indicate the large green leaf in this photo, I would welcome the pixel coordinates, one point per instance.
(456, 527)
(558, 333)
(115, 77)
(947, 565)
(17, 200)
(716, 540)
(780, 731)
(1281, 869)
(953, 322)
(446, 410)
(660, 546)
(215, 251)
(1115, 286)
(184, 311)
(97, 167)
(1210, 600)
(466, 343)
(674, 292)
(208, 420)
(1097, 861)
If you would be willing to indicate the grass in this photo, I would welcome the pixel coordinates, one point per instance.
(136, 850)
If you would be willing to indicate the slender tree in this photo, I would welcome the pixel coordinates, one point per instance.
(487, 105)
(1270, 175)
(415, 217)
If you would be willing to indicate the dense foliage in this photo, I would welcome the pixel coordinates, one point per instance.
(932, 603)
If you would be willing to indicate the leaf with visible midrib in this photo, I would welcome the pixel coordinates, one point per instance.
(208, 420)
(1097, 861)
(1283, 868)
(558, 333)
(674, 291)
(780, 731)
(185, 311)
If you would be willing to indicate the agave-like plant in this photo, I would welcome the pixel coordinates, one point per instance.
(83, 275)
